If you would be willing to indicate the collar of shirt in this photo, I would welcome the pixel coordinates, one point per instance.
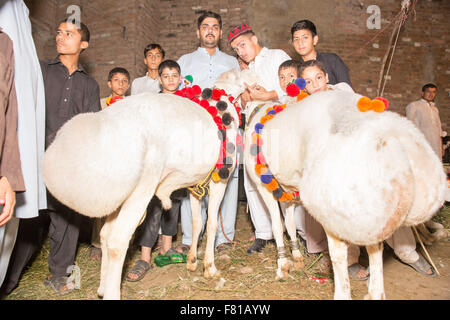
(57, 60)
(150, 78)
(429, 103)
(203, 51)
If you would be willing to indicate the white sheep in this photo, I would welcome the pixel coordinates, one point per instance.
(111, 163)
(360, 174)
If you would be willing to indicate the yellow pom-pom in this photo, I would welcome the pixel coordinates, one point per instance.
(364, 104)
(215, 176)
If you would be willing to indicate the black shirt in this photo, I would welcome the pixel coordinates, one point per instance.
(335, 67)
(66, 95)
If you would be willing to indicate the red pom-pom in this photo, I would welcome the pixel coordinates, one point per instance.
(218, 121)
(189, 93)
(212, 111)
(260, 158)
(292, 90)
(196, 100)
(231, 99)
(196, 90)
(278, 109)
(204, 103)
(216, 94)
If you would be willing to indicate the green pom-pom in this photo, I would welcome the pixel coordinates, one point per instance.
(189, 78)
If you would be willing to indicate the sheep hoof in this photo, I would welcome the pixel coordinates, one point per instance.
(211, 272)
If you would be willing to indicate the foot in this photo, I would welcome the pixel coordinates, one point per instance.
(95, 254)
(257, 246)
(224, 247)
(168, 252)
(423, 267)
(60, 284)
(183, 248)
(138, 271)
(358, 272)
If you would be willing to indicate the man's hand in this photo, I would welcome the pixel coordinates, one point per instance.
(8, 199)
(260, 93)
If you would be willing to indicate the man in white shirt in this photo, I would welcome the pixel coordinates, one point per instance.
(153, 56)
(265, 63)
(205, 65)
(425, 115)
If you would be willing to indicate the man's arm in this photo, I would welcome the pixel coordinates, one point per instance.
(341, 71)
(93, 102)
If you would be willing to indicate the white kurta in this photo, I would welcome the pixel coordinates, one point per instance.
(426, 117)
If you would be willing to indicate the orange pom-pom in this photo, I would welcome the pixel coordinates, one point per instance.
(260, 168)
(377, 105)
(215, 176)
(272, 185)
(302, 95)
(364, 104)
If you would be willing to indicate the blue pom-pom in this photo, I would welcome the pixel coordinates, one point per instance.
(301, 83)
(258, 127)
(266, 178)
(272, 112)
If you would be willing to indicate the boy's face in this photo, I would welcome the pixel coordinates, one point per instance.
(153, 58)
(304, 42)
(170, 80)
(68, 39)
(209, 33)
(316, 80)
(286, 76)
(246, 46)
(119, 84)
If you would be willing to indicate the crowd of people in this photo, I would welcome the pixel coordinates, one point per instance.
(62, 89)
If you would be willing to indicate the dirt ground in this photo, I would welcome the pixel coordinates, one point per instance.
(245, 277)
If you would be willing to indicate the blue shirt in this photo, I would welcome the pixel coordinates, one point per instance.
(205, 69)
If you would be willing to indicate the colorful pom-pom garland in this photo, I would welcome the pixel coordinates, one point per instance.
(223, 120)
(261, 167)
(378, 104)
(111, 100)
(296, 89)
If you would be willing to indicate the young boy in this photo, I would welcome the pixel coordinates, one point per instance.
(169, 76)
(69, 90)
(304, 41)
(287, 73)
(119, 83)
(153, 55)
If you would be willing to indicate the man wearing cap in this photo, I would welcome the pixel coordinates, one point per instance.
(264, 62)
(205, 65)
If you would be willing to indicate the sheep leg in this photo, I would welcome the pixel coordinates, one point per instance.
(292, 231)
(121, 230)
(277, 230)
(338, 253)
(106, 229)
(196, 208)
(217, 191)
(376, 285)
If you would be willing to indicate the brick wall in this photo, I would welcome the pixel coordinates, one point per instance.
(121, 29)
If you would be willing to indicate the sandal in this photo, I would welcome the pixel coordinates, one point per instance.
(421, 266)
(183, 248)
(168, 252)
(60, 285)
(355, 269)
(140, 268)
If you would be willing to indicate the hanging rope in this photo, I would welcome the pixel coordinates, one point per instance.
(399, 20)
